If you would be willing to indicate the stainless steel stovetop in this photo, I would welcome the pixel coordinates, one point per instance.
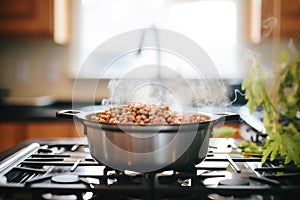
(64, 169)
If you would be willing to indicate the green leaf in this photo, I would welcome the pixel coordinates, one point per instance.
(291, 140)
(254, 86)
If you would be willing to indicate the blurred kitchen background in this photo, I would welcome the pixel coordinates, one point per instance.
(43, 43)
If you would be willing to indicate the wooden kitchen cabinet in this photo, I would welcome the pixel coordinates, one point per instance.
(50, 130)
(34, 19)
(289, 17)
(12, 133)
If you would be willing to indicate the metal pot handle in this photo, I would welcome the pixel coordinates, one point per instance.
(225, 116)
(67, 114)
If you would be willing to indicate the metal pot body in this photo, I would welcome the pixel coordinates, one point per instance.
(149, 151)
(147, 148)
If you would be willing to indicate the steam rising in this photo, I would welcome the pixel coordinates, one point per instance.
(175, 71)
(179, 93)
(293, 47)
(268, 26)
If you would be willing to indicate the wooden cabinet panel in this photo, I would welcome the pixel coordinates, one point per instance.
(289, 17)
(35, 20)
(11, 134)
(12, 9)
(26, 18)
(50, 130)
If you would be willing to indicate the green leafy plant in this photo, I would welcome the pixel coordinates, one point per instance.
(281, 102)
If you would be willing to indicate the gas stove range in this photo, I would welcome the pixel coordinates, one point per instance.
(64, 169)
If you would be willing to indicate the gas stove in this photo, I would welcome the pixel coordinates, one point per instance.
(64, 169)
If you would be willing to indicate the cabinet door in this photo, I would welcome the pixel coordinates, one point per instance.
(26, 18)
(289, 13)
(11, 134)
(290, 19)
(50, 130)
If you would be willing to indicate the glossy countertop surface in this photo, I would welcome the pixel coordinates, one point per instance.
(13, 113)
(19, 113)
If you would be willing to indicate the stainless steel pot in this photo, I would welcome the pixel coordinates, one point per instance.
(147, 148)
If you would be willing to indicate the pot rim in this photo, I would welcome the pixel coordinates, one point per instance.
(86, 118)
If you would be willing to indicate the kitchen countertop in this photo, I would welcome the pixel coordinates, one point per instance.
(12, 113)
(20, 113)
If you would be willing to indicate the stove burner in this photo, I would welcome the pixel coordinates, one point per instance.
(236, 181)
(65, 178)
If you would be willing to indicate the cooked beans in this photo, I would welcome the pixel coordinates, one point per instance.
(141, 113)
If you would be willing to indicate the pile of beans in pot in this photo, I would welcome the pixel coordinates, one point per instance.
(143, 114)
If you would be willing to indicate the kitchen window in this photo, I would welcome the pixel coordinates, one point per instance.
(212, 24)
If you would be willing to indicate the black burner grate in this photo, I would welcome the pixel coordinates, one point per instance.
(34, 172)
